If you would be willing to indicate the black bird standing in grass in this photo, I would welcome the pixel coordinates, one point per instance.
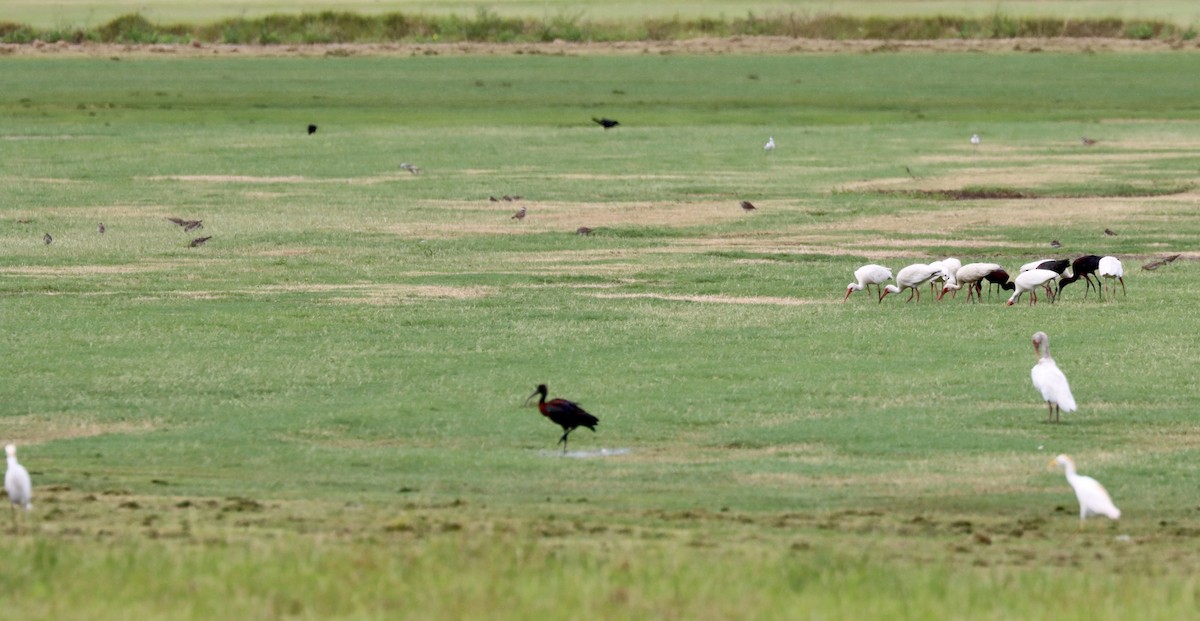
(1084, 267)
(312, 129)
(563, 413)
(605, 123)
(748, 206)
(199, 241)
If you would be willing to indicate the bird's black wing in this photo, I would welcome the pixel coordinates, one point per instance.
(569, 414)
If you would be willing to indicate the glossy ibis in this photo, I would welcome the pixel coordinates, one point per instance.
(606, 123)
(1029, 282)
(748, 206)
(100, 228)
(912, 277)
(1084, 267)
(867, 275)
(770, 146)
(199, 241)
(999, 278)
(1049, 380)
(565, 414)
(17, 484)
(1093, 498)
(47, 239)
(1111, 268)
(969, 275)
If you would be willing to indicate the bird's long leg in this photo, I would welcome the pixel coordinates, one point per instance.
(1123, 292)
(16, 528)
(1057, 413)
(1049, 412)
(563, 440)
(915, 291)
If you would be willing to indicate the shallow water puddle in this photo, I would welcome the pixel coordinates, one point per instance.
(604, 452)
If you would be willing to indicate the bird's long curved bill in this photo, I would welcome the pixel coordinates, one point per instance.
(530, 397)
(848, 292)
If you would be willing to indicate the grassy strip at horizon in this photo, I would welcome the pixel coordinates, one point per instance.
(488, 26)
(339, 372)
(71, 14)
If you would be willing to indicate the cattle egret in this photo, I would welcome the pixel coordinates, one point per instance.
(1093, 498)
(1111, 268)
(975, 139)
(17, 484)
(1029, 282)
(770, 146)
(866, 276)
(1049, 380)
(912, 277)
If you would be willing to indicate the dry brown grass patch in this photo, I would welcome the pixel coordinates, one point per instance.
(40, 428)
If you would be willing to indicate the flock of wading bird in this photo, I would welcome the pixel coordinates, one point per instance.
(952, 275)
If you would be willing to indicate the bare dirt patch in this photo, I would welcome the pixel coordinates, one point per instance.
(39, 428)
(712, 299)
(228, 179)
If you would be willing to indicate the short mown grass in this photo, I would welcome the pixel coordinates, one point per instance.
(318, 413)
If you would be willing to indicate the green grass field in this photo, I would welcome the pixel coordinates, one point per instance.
(86, 13)
(318, 414)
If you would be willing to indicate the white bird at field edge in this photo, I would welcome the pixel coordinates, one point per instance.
(17, 484)
(1111, 268)
(770, 146)
(1029, 282)
(1093, 498)
(1049, 380)
(975, 139)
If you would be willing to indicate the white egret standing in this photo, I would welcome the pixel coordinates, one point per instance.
(867, 275)
(1049, 380)
(1029, 282)
(17, 484)
(1110, 267)
(770, 146)
(975, 139)
(1093, 498)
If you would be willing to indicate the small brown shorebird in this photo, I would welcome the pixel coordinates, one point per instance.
(520, 215)
(188, 225)
(100, 228)
(493, 199)
(412, 168)
(1054, 243)
(47, 239)
(748, 206)
(199, 241)
(1087, 142)
(583, 230)
(1110, 232)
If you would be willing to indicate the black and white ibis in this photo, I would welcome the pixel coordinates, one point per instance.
(565, 414)
(1084, 267)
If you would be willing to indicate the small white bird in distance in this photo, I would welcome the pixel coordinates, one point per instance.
(412, 168)
(1093, 498)
(770, 146)
(17, 484)
(975, 139)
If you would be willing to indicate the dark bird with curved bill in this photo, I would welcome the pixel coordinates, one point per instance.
(605, 123)
(1082, 268)
(312, 129)
(565, 414)
(748, 206)
(199, 241)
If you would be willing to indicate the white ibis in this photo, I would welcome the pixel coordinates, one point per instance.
(1110, 267)
(1084, 267)
(1029, 282)
(969, 275)
(1049, 380)
(770, 146)
(867, 275)
(1093, 498)
(949, 267)
(975, 139)
(17, 484)
(912, 277)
